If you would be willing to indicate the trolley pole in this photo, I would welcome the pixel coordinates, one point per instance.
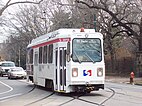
(95, 22)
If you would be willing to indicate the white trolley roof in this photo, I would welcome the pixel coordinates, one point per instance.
(60, 33)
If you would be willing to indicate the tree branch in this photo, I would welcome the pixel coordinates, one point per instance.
(111, 14)
(20, 2)
(122, 31)
(129, 23)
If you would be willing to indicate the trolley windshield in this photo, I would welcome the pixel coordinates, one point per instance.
(87, 50)
(7, 64)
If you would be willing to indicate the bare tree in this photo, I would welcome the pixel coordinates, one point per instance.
(28, 23)
(80, 16)
(117, 18)
(126, 15)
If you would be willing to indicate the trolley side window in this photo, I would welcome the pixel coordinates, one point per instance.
(36, 59)
(45, 54)
(40, 54)
(50, 53)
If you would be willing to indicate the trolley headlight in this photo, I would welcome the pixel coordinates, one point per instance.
(99, 72)
(74, 72)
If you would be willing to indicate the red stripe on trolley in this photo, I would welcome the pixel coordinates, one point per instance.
(52, 41)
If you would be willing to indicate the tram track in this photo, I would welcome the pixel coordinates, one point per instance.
(36, 101)
(101, 98)
(100, 104)
(74, 96)
(78, 97)
(90, 102)
(124, 93)
(113, 93)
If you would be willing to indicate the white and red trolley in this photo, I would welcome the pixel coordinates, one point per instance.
(67, 60)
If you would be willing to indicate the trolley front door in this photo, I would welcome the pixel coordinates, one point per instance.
(60, 69)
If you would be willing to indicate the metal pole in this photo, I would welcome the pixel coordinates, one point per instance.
(45, 20)
(95, 22)
(19, 57)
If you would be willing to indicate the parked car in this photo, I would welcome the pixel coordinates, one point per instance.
(5, 66)
(16, 72)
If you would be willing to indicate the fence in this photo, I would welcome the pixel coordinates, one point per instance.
(122, 66)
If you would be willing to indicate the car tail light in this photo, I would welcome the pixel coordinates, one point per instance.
(74, 72)
(99, 72)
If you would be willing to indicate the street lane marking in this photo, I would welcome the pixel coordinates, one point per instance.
(6, 97)
(6, 86)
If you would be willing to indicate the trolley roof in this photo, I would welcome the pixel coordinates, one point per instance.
(60, 33)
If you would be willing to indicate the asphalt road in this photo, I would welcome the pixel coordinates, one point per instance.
(12, 88)
(20, 93)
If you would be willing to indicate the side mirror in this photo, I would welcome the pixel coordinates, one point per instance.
(68, 48)
(71, 55)
(68, 51)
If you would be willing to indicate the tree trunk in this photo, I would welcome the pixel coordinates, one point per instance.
(112, 61)
(140, 37)
(140, 44)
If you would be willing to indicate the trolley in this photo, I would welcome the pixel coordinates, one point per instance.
(67, 60)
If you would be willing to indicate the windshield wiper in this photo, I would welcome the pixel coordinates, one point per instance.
(77, 57)
(94, 48)
(89, 57)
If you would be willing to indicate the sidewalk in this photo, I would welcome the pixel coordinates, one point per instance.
(117, 79)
